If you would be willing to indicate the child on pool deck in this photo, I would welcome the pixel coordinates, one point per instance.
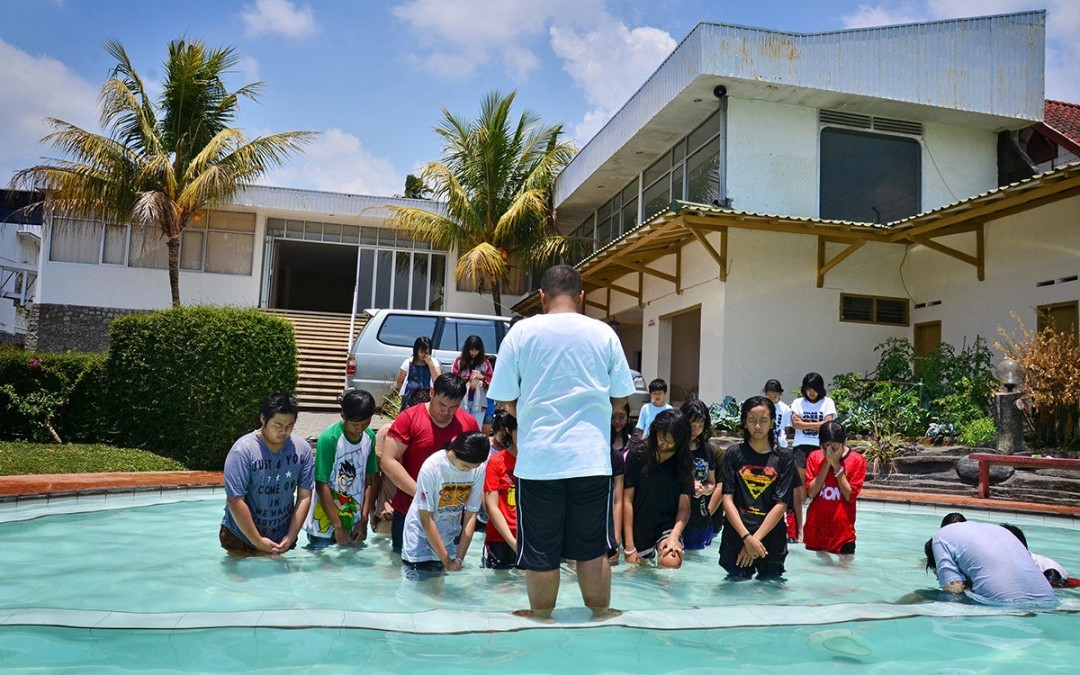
(699, 530)
(418, 371)
(757, 484)
(656, 405)
(656, 499)
(834, 479)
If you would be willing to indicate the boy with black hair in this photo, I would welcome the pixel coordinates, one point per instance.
(656, 405)
(345, 470)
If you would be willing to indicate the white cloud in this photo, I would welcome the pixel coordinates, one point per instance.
(337, 162)
(608, 64)
(248, 68)
(279, 16)
(37, 87)
(867, 16)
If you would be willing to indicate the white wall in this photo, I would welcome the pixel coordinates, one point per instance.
(957, 163)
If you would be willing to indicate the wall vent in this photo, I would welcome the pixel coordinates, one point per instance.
(1051, 282)
(858, 121)
(898, 126)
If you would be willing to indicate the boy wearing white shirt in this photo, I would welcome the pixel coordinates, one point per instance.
(656, 405)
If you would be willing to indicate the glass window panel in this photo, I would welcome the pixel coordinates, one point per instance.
(387, 237)
(854, 308)
(229, 252)
(148, 248)
(369, 235)
(703, 176)
(294, 229)
(629, 192)
(232, 221)
(403, 329)
(708, 129)
(421, 245)
(350, 234)
(77, 241)
(275, 227)
(893, 312)
(456, 331)
(437, 283)
(384, 275)
(313, 231)
(367, 279)
(115, 250)
(197, 222)
(678, 183)
(656, 199)
(657, 170)
(603, 232)
(678, 152)
(869, 178)
(419, 281)
(191, 249)
(402, 279)
(331, 232)
(605, 211)
(629, 216)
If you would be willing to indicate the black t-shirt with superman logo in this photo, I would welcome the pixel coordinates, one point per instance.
(757, 481)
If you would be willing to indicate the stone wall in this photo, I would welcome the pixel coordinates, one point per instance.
(70, 328)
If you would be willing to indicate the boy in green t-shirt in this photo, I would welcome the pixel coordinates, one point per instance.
(345, 467)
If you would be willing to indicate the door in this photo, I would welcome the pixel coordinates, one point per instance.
(927, 340)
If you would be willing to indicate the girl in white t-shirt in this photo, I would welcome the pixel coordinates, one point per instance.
(807, 415)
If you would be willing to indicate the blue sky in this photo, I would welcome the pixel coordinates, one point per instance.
(373, 75)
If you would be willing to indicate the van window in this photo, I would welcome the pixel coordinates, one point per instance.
(403, 329)
(456, 331)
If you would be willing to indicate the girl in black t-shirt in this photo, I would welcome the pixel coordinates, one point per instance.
(699, 530)
(757, 485)
(658, 484)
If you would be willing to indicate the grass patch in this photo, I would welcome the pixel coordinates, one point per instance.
(20, 458)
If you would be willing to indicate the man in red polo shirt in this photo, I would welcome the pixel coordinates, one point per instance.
(415, 435)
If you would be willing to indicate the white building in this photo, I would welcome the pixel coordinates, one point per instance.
(20, 245)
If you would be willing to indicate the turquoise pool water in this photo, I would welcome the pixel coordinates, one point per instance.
(113, 582)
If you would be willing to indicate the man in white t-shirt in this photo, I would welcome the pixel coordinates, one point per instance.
(561, 374)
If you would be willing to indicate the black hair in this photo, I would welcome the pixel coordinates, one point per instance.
(954, 517)
(748, 405)
(817, 383)
(418, 396)
(451, 386)
(278, 403)
(657, 385)
(357, 405)
(472, 342)
(625, 433)
(422, 342)
(928, 549)
(471, 447)
(503, 421)
(696, 410)
(1016, 531)
(561, 280)
(831, 432)
(675, 424)
(774, 386)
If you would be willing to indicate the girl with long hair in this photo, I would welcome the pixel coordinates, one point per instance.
(473, 366)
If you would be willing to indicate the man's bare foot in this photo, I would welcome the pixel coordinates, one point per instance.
(541, 615)
(605, 614)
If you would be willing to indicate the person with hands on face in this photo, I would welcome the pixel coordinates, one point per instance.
(757, 484)
(269, 475)
(834, 479)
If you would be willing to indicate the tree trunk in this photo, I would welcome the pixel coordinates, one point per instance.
(496, 296)
(174, 268)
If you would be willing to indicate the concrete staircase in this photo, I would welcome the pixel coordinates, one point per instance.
(322, 344)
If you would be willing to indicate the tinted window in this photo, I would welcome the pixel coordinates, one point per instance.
(868, 178)
(456, 331)
(403, 329)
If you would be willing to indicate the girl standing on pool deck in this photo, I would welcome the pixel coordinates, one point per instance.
(656, 500)
(807, 415)
(757, 480)
(834, 478)
(699, 531)
(474, 367)
(418, 371)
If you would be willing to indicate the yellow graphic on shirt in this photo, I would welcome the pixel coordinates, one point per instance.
(511, 497)
(454, 494)
(757, 479)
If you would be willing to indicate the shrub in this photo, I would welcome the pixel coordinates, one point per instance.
(978, 432)
(189, 381)
(47, 397)
(725, 415)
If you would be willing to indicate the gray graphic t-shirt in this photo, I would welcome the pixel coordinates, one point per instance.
(267, 481)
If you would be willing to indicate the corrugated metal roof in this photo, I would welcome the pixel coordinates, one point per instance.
(325, 203)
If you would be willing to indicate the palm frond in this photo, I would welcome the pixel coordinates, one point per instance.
(482, 265)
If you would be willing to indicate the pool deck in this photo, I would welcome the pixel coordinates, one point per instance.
(19, 487)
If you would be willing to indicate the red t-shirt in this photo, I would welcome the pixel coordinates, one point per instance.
(830, 519)
(414, 428)
(500, 478)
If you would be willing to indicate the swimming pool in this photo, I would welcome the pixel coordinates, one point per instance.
(111, 581)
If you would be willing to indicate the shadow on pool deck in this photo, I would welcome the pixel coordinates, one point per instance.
(39, 485)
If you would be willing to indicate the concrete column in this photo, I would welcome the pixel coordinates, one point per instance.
(1009, 418)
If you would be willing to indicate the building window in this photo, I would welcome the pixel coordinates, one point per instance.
(1060, 317)
(869, 178)
(75, 241)
(874, 309)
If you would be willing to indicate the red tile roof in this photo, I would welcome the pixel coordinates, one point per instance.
(1063, 118)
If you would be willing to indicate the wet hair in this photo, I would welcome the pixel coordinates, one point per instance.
(357, 405)
(503, 421)
(1017, 532)
(625, 433)
(472, 342)
(451, 386)
(831, 432)
(928, 549)
(773, 386)
(675, 424)
(658, 385)
(278, 403)
(816, 382)
(418, 396)
(471, 447)
(422, 342)
(954, 517)
(695, 411)
(748, 405)
(561, 280)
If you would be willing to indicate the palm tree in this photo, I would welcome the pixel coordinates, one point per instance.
(158, 163)
(495, 178)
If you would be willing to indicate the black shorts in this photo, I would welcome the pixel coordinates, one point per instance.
(800, 452)
(769, 567)
(565, 518)
(498, 556)
(397, 531)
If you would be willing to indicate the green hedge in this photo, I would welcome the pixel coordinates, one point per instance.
(84, 417)
(188, 382)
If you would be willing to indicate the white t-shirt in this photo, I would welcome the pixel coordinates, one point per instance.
(1046, 564)
(811, 412)
(446, 492)
(783, 421)
(563, 369)
(648, 414)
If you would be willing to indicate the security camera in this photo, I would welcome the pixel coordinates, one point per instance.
(719, 91)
